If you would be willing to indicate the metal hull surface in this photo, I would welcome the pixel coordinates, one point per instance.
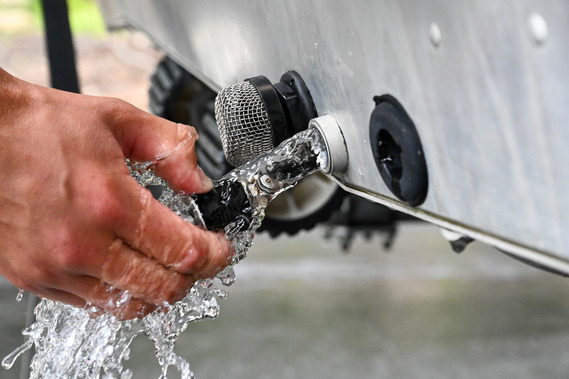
(485, 82)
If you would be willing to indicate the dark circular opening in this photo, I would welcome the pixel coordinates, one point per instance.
(389, 155)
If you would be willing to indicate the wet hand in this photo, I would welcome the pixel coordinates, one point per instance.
(74, 225)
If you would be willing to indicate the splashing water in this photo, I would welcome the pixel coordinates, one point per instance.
(71, 342)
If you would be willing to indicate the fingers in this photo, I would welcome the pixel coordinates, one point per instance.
(170, 146)
(149, 284)
(153, 254)
(142, 276)
(157, 232)
(178, 165)
(61, 296)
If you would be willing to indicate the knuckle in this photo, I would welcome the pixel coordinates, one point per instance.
(105, 202)
(115, 107)
(219, 257)
(191, 259)
(117, 113)
(64, 250)
(205, 258)
(100, 202)
(69, 259)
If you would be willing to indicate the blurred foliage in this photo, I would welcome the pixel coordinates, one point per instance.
(24, 16)
(85, 17)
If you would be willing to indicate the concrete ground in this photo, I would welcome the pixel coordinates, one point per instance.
(303, 309)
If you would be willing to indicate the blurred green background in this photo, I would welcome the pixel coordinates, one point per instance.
(25, 16)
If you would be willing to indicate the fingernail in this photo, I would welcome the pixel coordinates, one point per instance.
(207, 183)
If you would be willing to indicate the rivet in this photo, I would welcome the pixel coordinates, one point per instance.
(435, 34)
(538, 28)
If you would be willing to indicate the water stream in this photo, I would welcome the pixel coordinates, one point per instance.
(69, 342)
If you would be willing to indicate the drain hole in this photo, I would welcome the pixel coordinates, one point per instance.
(397, 150)
(389, 155)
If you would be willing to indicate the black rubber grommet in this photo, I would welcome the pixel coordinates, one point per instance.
(304, 103)
(397, 151)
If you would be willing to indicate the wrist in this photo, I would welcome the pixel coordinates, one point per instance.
(15, 95)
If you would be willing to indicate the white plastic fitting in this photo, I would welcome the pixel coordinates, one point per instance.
(335, 143)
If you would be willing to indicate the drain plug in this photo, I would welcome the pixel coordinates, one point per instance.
(397, 151)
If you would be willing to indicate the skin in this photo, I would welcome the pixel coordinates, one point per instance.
(74, 225)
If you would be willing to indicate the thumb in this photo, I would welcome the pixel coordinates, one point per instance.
(167, 146)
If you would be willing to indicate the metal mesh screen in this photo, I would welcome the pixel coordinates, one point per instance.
(243, 123)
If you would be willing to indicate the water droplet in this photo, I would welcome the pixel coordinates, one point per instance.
(20, 295)
(316, 45)
(9, 360)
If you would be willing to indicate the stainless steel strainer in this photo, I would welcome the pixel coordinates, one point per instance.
(243, 123)
(254, 116)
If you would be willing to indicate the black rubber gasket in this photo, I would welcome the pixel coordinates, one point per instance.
(397, 151)
(301, 108)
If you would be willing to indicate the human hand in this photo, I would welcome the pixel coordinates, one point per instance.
(74, 225)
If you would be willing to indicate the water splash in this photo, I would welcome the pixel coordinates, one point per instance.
(71, 342)
(20, 295)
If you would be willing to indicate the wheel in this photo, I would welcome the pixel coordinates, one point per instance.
(179, 96)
